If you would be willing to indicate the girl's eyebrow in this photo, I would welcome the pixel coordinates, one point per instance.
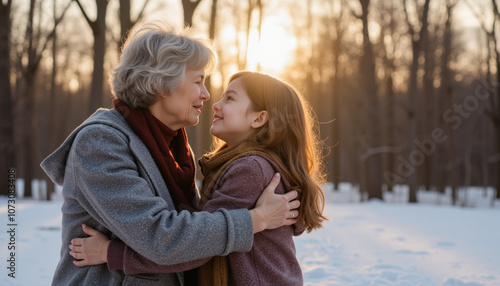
(230, 91)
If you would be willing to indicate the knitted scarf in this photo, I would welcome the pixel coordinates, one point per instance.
(215, 272)
(170, 151)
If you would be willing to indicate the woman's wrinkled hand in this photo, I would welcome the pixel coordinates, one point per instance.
(273, 210)
(92, 250)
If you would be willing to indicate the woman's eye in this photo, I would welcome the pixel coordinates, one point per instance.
(229, 98)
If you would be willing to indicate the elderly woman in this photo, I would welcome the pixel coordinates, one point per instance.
(129, 171)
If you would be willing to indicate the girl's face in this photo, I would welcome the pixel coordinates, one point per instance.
(234, 119)
(183, 107)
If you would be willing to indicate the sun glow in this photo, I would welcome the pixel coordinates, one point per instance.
(273, 52)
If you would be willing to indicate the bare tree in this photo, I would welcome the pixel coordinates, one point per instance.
(205, 117)
(243, 46)
(6, 118)
(418, 39)
(336, 33)
(493, 89)
(50, 135)
(240, 52)
(390, 23)
(193, 132)
(495, 113)
(260, 7)
(428, 103)
(126, 22)
(98, 27)
(370, 159)
(447, 93)
(189, 6)
(32, 51)
(250, 8)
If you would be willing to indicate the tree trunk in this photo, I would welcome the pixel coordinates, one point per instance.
(447, 91)
(250, 8)
(452, 153)
(412, 94)
(497, 125)
(202, 130)
(99, 32)
(6, 107)
(391, 119)
(441, 157)
(27, 98)
(388, 29)
(390, 116)
(207, 115)
(412, 128)
(373, 162)
(193, 132)
(260, 6)
(30, 154)
(30, 138)
(335, 172)
(189, 6)
(329, 108)
(496, 109)
(126, 22)
(428, 104)
(53, 98)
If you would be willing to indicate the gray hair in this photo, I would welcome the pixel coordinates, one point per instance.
(154, 62)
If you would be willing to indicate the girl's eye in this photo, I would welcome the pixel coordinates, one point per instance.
(229, 98)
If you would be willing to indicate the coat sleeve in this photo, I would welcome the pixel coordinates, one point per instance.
(241, 184)
(122, 257)
(112, 191)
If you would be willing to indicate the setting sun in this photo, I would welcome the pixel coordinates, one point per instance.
(273, 52)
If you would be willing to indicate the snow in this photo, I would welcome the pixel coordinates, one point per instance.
(364, 243)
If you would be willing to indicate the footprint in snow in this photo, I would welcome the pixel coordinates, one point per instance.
(407, 251)
(445, 244)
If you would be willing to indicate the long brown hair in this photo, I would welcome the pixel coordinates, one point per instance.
(291, 134)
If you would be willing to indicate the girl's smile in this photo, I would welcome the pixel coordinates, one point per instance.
(234, 118)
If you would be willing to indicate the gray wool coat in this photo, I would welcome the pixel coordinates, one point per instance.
(111, 183)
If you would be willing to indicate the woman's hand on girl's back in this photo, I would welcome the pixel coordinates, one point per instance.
(92, 250)
(273, 210)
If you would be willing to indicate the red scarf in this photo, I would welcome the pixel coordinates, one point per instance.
(169, 149)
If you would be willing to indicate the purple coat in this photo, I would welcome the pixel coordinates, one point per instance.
(271, 261)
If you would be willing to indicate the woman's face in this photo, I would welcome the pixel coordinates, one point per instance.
(183, 107)
(233, 116)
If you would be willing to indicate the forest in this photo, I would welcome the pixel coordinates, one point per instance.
(406, 92)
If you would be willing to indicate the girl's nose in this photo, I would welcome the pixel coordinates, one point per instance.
(216, 106)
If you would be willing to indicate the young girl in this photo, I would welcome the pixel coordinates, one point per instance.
(264, 126)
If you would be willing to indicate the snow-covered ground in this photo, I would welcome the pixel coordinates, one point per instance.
(370, 243)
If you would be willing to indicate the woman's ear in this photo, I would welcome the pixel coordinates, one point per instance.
(261, 119)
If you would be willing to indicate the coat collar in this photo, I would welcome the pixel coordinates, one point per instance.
(55, 164)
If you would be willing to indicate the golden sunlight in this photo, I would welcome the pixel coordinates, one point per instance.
(274, 50)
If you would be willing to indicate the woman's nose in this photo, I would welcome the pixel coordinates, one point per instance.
(205, 95)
